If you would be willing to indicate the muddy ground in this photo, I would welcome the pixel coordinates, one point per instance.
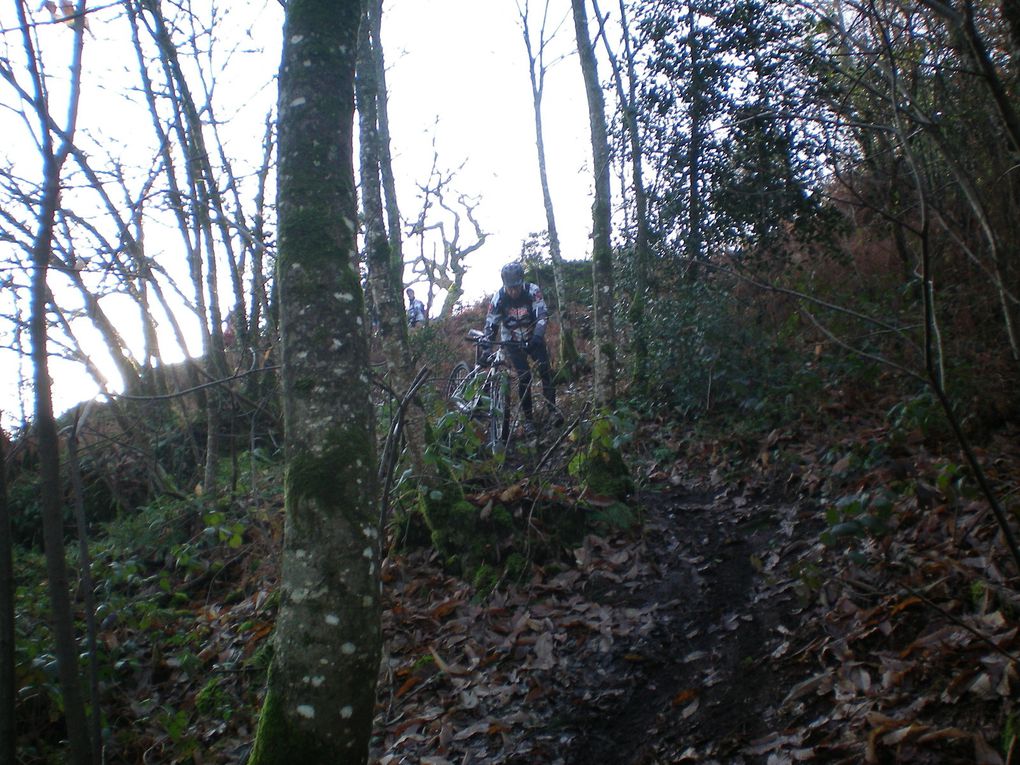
(673, 645)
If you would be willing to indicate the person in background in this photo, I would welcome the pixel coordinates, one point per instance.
(415, 310)
(519, 314)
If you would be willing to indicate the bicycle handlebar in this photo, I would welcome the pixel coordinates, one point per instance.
(477, 337)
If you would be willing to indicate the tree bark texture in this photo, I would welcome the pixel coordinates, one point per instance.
(602, 252)
(320, 700)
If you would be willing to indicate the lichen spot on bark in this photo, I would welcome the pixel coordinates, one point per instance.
(368, 552)
(307, 711)
(348, 649)
(347, 712)
(367, 600)
(299, 101)
(294, 40)
(332, 620)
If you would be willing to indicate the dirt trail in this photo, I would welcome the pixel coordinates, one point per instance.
(700, 684)
(649, 650)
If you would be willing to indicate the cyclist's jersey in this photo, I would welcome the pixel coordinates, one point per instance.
(415, 312)
(519, 319)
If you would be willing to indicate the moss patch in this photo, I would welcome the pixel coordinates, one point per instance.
(487, 544)
(601, 467)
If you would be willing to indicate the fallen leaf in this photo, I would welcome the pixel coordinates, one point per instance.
(684, 696)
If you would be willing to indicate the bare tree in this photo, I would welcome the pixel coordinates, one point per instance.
(537, 69)
(54, 154)
(445, 266)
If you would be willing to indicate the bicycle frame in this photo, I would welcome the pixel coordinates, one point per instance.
(484, 392)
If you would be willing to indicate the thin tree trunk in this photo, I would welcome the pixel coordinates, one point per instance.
(696, 98)
(50, 500)
(320, 701)
(386, 295)
(602, 252)
(568, 355)
(629, 107)
(383, 277)
(7, 690)
(389, 184)
(87, 585)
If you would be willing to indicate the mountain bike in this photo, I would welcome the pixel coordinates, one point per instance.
(482, 392)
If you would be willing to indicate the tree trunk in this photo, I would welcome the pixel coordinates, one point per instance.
(384, 278)
(386, 293)
(50, 500)
(320, 700)
(568, 356)
(389, 184)
(602, 252)
(87, 583)
(696, 99)
(629, 107)
(7, 690)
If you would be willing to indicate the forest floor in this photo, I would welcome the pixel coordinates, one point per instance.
(834, 590)
(724, 630)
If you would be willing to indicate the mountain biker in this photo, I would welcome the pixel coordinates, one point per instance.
(518, 312)
(415, 310)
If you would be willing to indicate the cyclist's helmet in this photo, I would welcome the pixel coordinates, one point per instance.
(513, 275)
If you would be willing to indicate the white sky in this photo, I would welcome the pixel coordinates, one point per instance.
(463, 63)
(457, 75)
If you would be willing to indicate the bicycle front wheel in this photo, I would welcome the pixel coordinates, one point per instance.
(499, 412)
(457, 377)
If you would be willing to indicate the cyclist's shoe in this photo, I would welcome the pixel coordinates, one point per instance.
(555, 417)
(529, 428)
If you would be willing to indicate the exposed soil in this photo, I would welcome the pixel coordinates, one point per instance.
(699, 683)
(654, 649)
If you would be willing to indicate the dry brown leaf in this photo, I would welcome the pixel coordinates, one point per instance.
(445, 608)
(685, 696)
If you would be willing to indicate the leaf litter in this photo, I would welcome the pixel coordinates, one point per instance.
(724, 632)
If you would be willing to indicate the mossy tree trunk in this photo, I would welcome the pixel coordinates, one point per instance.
(602, 251)
(321, 693)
